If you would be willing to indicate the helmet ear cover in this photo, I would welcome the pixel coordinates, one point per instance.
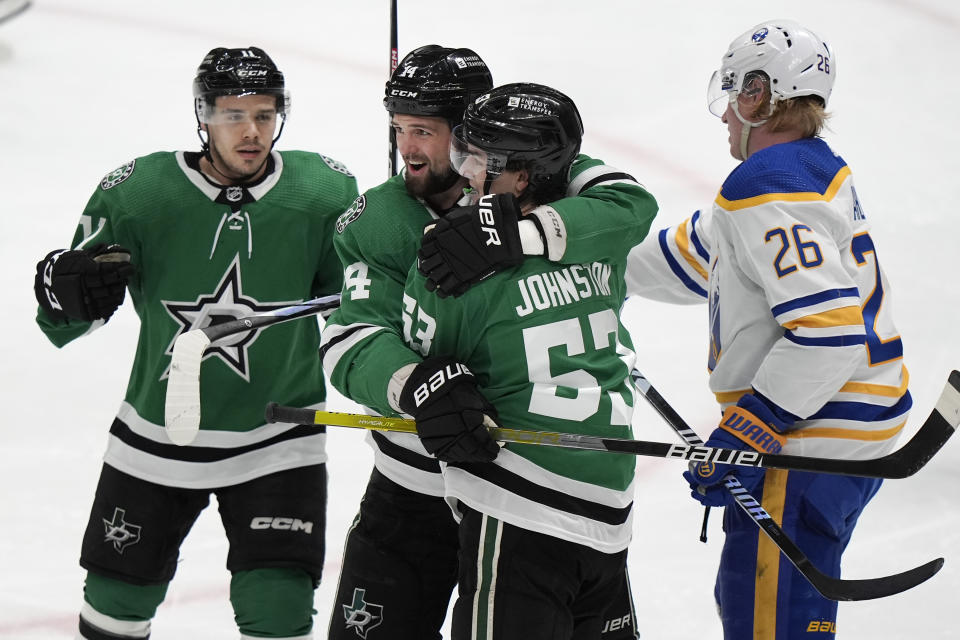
(755, 91)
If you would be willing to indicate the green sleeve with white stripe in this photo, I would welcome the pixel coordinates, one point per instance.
(605, 217)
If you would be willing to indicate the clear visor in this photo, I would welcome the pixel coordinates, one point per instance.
(472, 162)
(244, 109)
(721, 91)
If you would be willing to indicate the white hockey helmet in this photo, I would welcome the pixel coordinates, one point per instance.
(796, 61)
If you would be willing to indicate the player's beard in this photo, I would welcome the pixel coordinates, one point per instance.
(431, 184)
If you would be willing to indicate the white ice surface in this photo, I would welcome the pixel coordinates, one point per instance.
(88, 86)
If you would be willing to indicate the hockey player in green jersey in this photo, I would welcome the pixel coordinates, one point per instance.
(543, 530)
(200, 238)
(400, 561)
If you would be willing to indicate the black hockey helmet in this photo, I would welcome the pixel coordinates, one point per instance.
(437, 81)
(523, 126)
(237, 72)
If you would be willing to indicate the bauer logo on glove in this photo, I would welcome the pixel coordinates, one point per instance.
(488, 220)
(452, 415)
(437, 379)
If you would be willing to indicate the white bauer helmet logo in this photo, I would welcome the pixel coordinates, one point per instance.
(796, 61)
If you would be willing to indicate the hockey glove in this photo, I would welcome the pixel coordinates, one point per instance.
(83, 284)
(751, 424)
(451, 413)
(471, 243)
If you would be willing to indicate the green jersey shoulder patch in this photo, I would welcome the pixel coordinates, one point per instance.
(117, 176)
(352, 213)
(336, 165)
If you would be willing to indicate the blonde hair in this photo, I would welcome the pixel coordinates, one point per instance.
(805, 114)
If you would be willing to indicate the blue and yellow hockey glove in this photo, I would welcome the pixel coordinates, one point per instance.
(753, 423)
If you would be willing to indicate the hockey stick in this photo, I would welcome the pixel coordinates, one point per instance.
(828, 587)
(394, 59)
(14, 9)
(182, 407)
(904, 462)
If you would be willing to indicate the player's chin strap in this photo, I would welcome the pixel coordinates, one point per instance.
(745, 130)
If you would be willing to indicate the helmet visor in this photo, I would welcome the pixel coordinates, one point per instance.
(244, 108)
(722, 91)
(472, 162)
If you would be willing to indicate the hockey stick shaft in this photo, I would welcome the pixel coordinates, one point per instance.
(678, 424)
(322, 306)
(394, 60)
(13, 10)
(827, 586)
(901, 463)
(182, 404)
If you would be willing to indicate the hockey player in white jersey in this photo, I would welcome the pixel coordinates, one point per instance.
(804, 356)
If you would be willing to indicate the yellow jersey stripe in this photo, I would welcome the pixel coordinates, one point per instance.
(879, 389)
(804, 196)
(847, 434)
(842, 317)
(683, 243)
(730, 397)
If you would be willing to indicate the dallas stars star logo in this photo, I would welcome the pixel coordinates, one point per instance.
(226, 303)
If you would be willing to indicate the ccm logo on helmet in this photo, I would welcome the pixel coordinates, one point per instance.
(251, 73)
(437, 380)
(403, 93)
(282, 524)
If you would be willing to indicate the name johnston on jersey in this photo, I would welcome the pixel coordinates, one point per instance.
(563, 286)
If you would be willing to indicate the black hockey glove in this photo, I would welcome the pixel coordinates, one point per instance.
(442, 396)
(471, 243)
(83, 284)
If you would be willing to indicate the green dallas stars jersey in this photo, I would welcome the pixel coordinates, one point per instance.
(206, 254)
(605, 213)
(549, 352)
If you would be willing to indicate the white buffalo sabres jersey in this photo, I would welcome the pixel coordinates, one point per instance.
(799, 308)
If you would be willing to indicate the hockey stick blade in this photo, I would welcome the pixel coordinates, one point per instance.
(932, 435)
(829, 587)
(182, 404)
